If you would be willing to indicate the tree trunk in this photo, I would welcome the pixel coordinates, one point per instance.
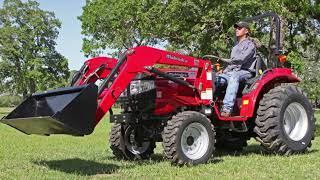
(32, 86)
(25, 94)
(271, 44)
(282, 32)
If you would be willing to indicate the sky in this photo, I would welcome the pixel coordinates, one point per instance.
(69, 42)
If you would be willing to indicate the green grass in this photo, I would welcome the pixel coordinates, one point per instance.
(89, 157)
(4, 111)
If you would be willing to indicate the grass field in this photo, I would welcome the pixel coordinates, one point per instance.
(67, 157)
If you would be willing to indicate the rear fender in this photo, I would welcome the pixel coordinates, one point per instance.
(250, 101)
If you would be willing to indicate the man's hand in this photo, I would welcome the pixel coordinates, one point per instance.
(220, 72)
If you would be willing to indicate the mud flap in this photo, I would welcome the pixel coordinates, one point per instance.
(70, 110)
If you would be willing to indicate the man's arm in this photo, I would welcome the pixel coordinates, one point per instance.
(218, 58)
(226, 60)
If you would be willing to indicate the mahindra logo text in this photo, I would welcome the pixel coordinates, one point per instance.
(169, 56)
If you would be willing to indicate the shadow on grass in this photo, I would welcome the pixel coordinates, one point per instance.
(79, 166)
(155, 158)
(254, 150)
(251, 149)
(89, 168)
(158, 158)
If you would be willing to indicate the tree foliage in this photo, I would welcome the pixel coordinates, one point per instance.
(120, 24)
(199, 27)
(29, 61)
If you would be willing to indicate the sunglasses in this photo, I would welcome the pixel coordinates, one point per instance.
(239, 28)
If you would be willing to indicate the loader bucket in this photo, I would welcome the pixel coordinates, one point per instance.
(70, 110)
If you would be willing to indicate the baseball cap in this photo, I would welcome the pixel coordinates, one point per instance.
(242, 24)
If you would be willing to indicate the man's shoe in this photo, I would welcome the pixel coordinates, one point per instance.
(225, 114)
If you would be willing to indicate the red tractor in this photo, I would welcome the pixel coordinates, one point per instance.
(176, 106)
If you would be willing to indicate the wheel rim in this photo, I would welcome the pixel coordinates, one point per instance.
(295, 121)
(195, 141)
(132, 145)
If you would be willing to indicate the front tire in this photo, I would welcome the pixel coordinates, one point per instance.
(285, 122)
(188, 139)
(124, 147)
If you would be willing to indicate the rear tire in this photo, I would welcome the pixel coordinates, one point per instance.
(119, 141)
(188, 139)
(285, 122)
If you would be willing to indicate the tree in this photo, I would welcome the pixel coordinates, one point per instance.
(197, 27)
(119, 25)
(29, 61)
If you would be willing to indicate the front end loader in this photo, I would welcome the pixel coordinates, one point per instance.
(178, 105)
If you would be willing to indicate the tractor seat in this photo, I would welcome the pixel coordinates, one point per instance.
(260, 66)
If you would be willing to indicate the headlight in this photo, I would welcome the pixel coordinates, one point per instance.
(139, 86)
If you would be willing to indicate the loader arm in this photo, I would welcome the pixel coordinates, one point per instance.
(137, 60)
(77, 110)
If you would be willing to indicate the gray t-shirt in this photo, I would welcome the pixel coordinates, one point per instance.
(243, 56)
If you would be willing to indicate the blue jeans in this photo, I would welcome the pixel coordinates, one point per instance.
(232, 78)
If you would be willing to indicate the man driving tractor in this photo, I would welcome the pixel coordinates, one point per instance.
(240, 68)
